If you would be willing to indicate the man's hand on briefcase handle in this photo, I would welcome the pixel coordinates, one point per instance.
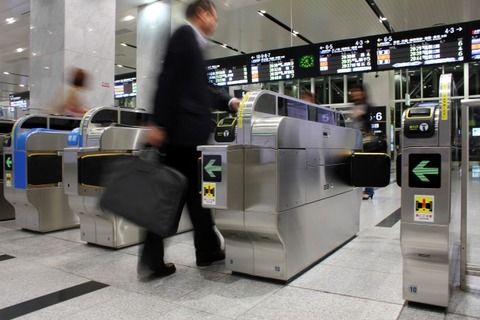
(156, 136)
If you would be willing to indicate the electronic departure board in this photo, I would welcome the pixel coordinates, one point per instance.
(272, 66)
(475, 43)
(353, 55)
(228, 71)
(421, 47)
(284, 64)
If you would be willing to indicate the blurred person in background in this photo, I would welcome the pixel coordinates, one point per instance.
(73, 104)
(361, 121)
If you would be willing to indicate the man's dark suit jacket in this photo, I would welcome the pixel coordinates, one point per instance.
(184, 97)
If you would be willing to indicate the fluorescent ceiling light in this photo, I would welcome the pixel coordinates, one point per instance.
(10, 20)
(128, 18)
(19, 50)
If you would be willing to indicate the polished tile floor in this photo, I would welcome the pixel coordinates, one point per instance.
(362, 280)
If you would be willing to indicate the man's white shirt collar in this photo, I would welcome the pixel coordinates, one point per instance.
(201, 39)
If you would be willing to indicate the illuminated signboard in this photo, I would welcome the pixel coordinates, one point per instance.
(284, 64)
(346, 56)
(19, 100)
(125, 88)
(475, 43)
(272, 66)
(421, 47)
(228, 71)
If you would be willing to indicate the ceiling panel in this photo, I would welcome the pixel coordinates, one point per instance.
(318, 21)
(409, 14)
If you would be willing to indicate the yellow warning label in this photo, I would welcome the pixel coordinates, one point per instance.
(444, 101)
(8, 179)
(424, 208)
(209, 193)
(240, 110)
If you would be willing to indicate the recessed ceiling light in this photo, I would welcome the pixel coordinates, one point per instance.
(10, 20)
(19, 50)
(128, 18)
(5, 72)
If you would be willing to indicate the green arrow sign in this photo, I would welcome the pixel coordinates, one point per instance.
(8, 162)
(421, 171)
(211, 168)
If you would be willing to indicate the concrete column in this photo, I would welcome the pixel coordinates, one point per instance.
(153, 33)
(66, 34)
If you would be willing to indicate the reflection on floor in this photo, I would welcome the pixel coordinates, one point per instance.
(362, 280)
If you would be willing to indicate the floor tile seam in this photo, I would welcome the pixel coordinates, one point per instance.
(63, 239)
(39, 261)
(197, 268)
(71, 273)
(353, 268)
(401, 310)
(19, 238)
(346, 295)
(463, 315)
(261, 300)
(197, 310)
(359, 269)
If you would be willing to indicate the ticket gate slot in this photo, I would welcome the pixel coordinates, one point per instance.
(276, 186)
(107, 136)
(36, 190)
(429, 230)
(7, 211)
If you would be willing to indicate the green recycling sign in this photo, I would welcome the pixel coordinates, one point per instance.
(424, 170)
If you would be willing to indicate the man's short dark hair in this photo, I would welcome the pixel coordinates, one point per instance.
(193, 8)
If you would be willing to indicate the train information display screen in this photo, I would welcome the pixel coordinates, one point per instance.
(272, 66)
(421, 47)
(227, 72)
(475, 43)
(345, 56)
(125, 88)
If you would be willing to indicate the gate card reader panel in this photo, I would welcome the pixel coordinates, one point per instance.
(419, 122)
(225, 130)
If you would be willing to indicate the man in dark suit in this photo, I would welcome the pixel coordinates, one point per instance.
(182, 122)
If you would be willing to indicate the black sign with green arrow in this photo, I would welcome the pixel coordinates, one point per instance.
(212, 168)
(8, 162)
(424, 170)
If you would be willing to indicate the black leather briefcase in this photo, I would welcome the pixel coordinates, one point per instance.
(145, 192)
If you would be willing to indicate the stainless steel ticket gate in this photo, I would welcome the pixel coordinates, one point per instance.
(105, 135)
(7, 211)
(470, 217)
(430, 228)
(279, 179)
(33, 184)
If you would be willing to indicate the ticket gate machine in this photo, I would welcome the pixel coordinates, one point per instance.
(278, 179)
(107, 134)
(430, 229)
(33, 184)
(6, 209)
